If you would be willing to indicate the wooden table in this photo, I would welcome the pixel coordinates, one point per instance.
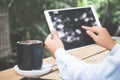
(92, 54)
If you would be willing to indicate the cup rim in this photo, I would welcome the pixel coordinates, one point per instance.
(23, 42)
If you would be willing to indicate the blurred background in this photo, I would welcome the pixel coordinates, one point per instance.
(24, 19)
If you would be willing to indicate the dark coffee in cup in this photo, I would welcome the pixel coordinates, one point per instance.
(29, 54)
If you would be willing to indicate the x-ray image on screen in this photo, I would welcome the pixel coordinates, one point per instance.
(68, 26)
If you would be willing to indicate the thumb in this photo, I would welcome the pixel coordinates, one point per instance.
(54, 33)
(92, 35)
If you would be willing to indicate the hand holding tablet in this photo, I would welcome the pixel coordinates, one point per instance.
(68, 22)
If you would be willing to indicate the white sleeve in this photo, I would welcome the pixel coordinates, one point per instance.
(72, 68)
(110, 68)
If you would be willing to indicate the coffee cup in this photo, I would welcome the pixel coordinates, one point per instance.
(29, 54)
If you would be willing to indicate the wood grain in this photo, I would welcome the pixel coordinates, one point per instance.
(91, 54)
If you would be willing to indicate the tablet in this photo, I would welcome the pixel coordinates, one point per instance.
(67, 22)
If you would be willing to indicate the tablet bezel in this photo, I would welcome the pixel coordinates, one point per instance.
(49, 21)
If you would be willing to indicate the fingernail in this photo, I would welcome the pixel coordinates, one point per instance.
(83, 26)
(88, 31)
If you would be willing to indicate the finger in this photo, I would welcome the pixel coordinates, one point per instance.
(47, 42)
(93, 29)
(49, 36)
(91, 34)
(54, 33)
(49, 51)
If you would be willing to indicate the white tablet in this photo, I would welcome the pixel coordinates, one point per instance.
(68, 22)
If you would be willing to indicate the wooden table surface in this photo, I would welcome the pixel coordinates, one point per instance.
(92, 54)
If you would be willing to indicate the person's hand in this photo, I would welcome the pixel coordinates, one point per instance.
(100, 36)
(52, 43)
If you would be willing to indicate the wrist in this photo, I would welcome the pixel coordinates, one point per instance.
(115, 49)
(111, 46)
(58, 51)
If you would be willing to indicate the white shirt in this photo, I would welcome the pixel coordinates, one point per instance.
(72, 68)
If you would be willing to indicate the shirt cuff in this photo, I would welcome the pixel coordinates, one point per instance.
(62, 56)
(115, 49)
(59, 54)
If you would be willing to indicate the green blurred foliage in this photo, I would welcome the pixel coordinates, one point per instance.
(104, 7)
(108, 12)
(4, 2)
(109, 18)
(27, 19)
(94, 3)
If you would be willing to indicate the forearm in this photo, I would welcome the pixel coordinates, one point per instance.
(72, 68)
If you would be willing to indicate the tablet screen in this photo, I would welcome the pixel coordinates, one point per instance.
(68, 22)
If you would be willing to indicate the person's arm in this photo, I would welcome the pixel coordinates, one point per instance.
(52, 43)
(98, 34)
(72, 68)
(110, 68)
